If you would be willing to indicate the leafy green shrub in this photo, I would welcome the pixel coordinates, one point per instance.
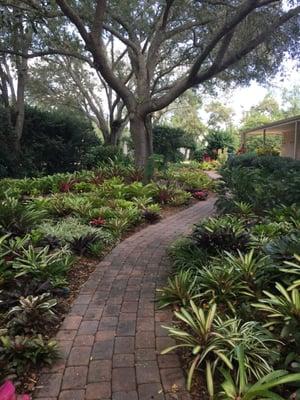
(251, 267)
(286, 215)
(284, 247)
(43, 265)
(283, 310)
(186, 254)
(181, 289)
(207, 346)
(151, 216)
(21, 352)
(190, 177)
(33, 314)
(82, 245)
(212, 342)
(167, 141)
(180, 198)
(237, 387)
(69, 228)
(54, 141)
(219, 139)
(223, 284)
(18, 218)
(220, 234)
(118, 226)
(262, 181)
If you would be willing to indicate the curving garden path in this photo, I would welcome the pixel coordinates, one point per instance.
(112, 337)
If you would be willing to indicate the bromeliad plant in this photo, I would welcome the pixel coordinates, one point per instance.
(283, 310)
(221, 234)
(236, 387)
(19, 353)
(43, 265)
(250, 266)
(33, 314)
(223, 284)
(208, 346)
(181, 289)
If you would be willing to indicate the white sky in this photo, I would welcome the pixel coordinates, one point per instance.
(241, 99)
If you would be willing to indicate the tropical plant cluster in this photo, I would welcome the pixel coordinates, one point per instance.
(47, 224)
(236, 288)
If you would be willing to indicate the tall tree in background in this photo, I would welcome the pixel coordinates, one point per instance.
(291, 101)
(62, 81)
(173, 45)
(267, 110)
(186, 115)
(220, 116)
(16, 33)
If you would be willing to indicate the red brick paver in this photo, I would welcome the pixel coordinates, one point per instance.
(112, 338)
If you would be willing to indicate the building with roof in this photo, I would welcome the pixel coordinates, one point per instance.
(288, 129)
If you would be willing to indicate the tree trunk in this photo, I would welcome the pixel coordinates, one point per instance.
(20, 103)
(141, 133)
(116, 129)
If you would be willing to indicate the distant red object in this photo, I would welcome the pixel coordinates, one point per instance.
(65, 187)
(8, 392)
(96, 222)
(200, 195)
(242, 149)
(206, 158)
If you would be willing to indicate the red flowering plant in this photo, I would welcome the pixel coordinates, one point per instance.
(200, 195)
(65, 187)
(96, 222)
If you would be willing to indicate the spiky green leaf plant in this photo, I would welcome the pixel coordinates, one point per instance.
(181, 288)
(238, 388)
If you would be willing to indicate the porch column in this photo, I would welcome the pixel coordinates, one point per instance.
(295, 140)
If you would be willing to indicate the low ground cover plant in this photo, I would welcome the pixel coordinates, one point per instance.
(49, 224)
(235, 286)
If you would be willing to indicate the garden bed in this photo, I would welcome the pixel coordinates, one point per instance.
(236, 287)
(54, 231)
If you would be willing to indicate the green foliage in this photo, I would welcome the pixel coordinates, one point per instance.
(261, 181)
(43, 265)
(33, 314)
(98, 154)
(237, 387)
(52, 141)
(220, 234)
(190, 177)
(17, 217)
(68, 229)
(218, 139)
(284, 247)
(283, 309)
(21, 352)
(250, 267)
(181, 289)
(82, 245)
(167, 141)
(222, 283)
(209, 343)
(186, 255)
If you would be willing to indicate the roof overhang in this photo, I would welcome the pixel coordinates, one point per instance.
(275, 128)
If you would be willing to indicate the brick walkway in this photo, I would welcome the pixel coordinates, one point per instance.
(112, 337)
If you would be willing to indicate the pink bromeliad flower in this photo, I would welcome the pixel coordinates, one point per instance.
(8, 392)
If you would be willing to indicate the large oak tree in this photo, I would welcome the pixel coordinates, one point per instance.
(173, 45)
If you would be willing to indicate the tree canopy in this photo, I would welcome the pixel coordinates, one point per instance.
(151, 52)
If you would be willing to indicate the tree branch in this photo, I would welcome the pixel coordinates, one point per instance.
(185, 83)
(99, 17)
(244, 10)
(48, 53)
(124, 40)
